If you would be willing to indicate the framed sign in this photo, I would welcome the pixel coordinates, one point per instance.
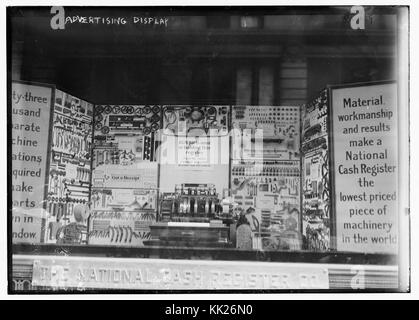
(364, 153)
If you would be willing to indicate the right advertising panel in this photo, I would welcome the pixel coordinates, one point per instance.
(364, 140)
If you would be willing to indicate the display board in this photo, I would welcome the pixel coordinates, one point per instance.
(31, 106)
(194, 177)
(125, 174)
(316, 198)
(365, 172)
(68, 198)
(265, 173)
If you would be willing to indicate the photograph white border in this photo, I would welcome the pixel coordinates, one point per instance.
(413, 157)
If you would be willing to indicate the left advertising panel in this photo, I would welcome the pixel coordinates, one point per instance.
(31, 106)
(69, 170)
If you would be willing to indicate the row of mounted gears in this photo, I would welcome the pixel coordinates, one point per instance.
(145, 118)
(101, 109)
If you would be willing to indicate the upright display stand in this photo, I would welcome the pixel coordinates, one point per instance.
(69, 176)
(125, 174)
(265, 173)
(316, 186)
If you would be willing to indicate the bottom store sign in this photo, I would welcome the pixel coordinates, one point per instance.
(161, 274)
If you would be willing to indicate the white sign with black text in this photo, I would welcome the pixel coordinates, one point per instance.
(31, 112)
(364, 137)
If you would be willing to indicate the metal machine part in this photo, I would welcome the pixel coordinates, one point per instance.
(190, 202)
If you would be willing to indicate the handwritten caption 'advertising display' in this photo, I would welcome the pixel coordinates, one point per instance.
(31, 107)
(366, 168)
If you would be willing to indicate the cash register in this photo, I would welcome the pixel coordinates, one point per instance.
(192, 216)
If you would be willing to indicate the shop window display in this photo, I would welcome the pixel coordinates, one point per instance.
(189, 175)
(209, 181)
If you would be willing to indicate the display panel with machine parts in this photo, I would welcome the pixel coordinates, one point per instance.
(125, 174)
(70, 170)
(126, 133)
(315, 179)
(266, 173)
(125, 143)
